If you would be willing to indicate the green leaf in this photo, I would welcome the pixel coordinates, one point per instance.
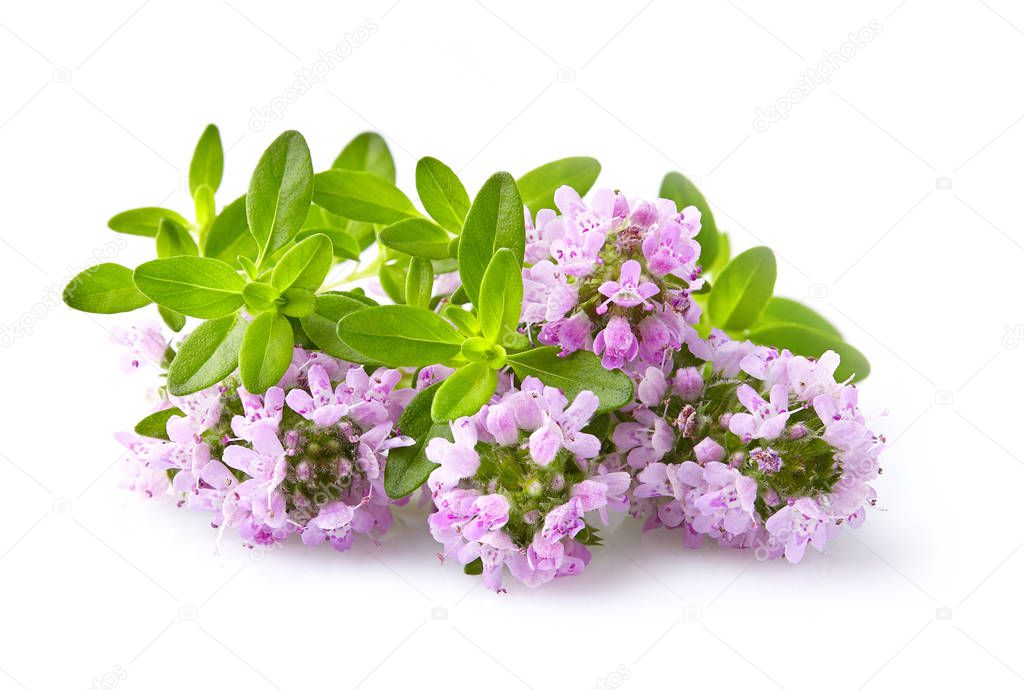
(367, 152)
(365, 233)
(260, 297)
(208, 355)
(305, 265)
(229, 235)
(266, 351)
(249, 267)
(173, 239)
(417, 237)
(280, 192)
(442, 194)
(781, 310)
(173, 319)
(463, 393)
(723, 254)
(207, 165)
(104, 289)
(344, 245)
(297, 302)
(399, 335)
(206, 208)
(742, 289)
(362, 196)
(467, 324)
(155, 425)
(322, 325)
(192, 285)
(419, 283)
(580, 371)
(495, 220)
(407, 467)
(501, 297)
(679, 189)
(393, 275)
(143, 221)
(538, 186)
(801, 340)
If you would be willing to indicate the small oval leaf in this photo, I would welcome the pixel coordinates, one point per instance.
(104, 289)
(400, 335)
(742, 290)
(266, 351)
(463, 393)
(207, 356)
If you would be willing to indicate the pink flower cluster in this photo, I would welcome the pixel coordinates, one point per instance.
(613, 277)
(514, 484)
(306, 457)
(781, 463)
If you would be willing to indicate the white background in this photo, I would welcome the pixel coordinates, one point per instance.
(100, 107)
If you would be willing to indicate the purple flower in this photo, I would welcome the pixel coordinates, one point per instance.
(457, 459)
(605, 208)
(688, 383)
(647, 439)
(431, 375)
(260, 410)
(661, 333)
(373, 398)
(333, 523)
(489, 513)
(628, 291)
(538, 235)
(322, 407)
(708, 450)
(768, 461)
(617, 342)
(266, 462)
(767, 364)
(602, 490)
(145, 342)
(547, 295)
(797, 525)
(728, 500)
(652, 387)
(809, 378)
(562, 428)
(570, 334)
(671, 249)
(725, 354)
(654, 481)
(563, 522)
(766, 419)
(576, 251)
(500, 423)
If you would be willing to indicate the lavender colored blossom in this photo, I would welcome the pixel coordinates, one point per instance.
(613, 276)
(306, 457)
(712, 476)
(515, 484)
